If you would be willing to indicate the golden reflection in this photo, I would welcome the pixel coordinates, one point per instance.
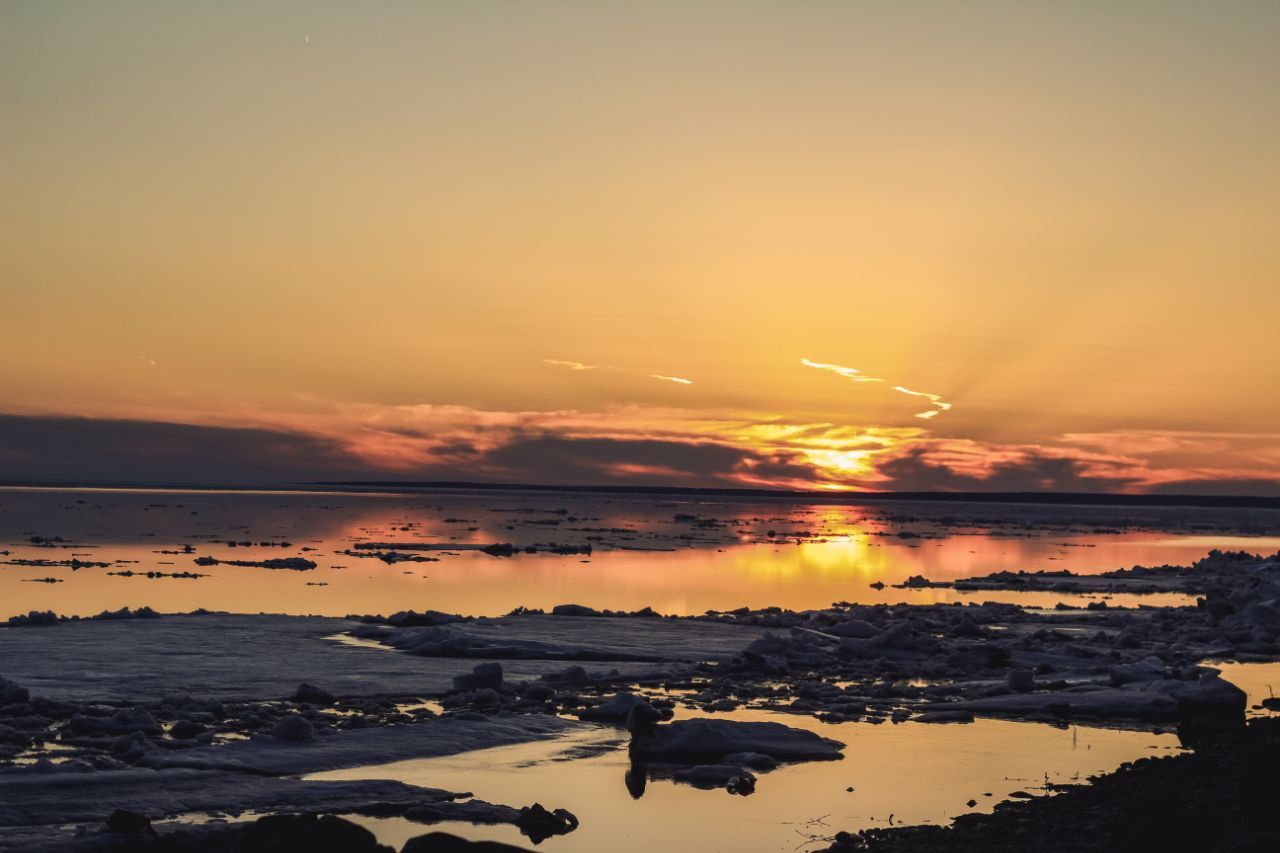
(842, 553)
(918, 773)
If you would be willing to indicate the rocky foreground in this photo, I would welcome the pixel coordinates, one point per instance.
(157, 716)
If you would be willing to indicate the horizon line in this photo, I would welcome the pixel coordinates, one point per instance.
(806, 495)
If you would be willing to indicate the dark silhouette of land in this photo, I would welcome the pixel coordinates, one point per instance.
(807, 496)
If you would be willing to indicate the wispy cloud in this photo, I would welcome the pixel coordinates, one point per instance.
(856, 375)
(578, 365)
(847, 372)
(933, 399)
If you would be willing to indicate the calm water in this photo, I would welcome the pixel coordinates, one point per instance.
(678, 557)
(908, 773)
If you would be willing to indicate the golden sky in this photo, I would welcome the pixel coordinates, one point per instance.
(483, 239)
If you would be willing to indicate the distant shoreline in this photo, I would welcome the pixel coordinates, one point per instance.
(414, 487)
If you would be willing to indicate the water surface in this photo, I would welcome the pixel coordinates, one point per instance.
(900, 774)
(677, 556)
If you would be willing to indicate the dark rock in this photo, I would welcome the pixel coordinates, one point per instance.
(854, 628)
(944, 717)
(485, 675)
(754, 760)
(314, 695)
(125, 822)
(700, 739)
(123, 721)
(413, 619)
(1211, 695)
(186, 729)
(297, 564)
(11, 693)
(714, 775)
(538, 692)
(443, 842)
(308, 833)
(615, 710)
(643, 718)
(1147, 669)
(540, 824)
(292, 727)
(571, 675)
(574, 610)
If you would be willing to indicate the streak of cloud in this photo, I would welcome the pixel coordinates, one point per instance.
(578, 365)
(847, 372)
(856, 375)
(933, 399)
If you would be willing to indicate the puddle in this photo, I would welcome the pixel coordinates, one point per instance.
(1258, 680)
(432, 705)
(359, 642)
(908, 773)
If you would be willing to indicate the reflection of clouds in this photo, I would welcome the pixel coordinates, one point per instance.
(688, 581)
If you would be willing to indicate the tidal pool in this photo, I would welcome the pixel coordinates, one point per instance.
(908, 773)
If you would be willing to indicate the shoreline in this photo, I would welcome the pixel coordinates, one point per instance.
(1216, 797)
(409, 488)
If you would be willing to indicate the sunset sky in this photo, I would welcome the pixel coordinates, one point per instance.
(838, 245)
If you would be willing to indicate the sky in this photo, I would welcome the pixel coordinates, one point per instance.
(829, 245)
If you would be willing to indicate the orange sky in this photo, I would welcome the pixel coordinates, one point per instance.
(483, 240)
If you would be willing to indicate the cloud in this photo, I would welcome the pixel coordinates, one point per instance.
(578, 365)
(847, 372)
(934, 399)
(552, 458)
(856, 375)
(1176, 443)
(621, 445)
(774, 452)
(972, 467)
(69, 449)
